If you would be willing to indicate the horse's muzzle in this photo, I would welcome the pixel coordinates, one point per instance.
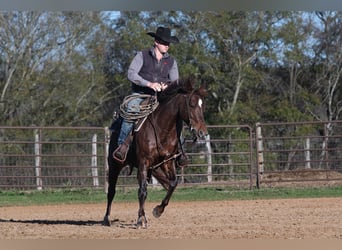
(198, 134)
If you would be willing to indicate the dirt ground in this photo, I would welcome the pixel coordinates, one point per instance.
(319, 218)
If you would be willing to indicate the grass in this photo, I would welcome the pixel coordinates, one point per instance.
(72, 196)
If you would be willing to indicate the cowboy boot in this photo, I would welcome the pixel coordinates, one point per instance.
(121, 151)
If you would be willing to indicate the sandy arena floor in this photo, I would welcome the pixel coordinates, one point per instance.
(252, 219)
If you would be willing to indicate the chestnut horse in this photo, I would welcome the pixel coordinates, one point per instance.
(156, 145)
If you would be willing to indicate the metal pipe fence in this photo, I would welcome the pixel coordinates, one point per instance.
(233, 155)
(52, 157)
(299, 151)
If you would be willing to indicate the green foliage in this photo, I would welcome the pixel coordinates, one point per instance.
(70, 68)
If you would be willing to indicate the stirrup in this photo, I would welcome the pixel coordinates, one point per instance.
(122, 150)
(119, 156)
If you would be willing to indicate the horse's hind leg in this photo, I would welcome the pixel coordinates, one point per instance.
(170, 184)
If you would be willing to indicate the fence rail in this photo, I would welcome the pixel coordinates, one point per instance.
(298, 152)
(51, 157)
(237, 155)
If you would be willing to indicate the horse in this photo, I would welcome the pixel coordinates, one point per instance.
(155, 146)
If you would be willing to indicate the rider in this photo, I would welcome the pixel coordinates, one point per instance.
(150, 71)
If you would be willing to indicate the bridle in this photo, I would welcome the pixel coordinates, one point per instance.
(187, 101)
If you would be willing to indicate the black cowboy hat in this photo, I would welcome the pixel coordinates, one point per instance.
(164, 34)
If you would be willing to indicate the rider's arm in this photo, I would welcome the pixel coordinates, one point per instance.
(173, 74)
(134, 69)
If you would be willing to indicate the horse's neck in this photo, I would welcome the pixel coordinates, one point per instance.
(167, 114)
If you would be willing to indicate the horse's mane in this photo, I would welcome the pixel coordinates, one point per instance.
(182, 86)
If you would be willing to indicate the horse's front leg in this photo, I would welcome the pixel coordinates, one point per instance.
(114, 172)
(142, 194)
(169, 181)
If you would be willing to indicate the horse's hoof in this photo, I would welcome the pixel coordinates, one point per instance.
(141, 226)
(106, 221)
(156, 212)
(142, 223)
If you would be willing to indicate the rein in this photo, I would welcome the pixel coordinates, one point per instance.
(166, 160)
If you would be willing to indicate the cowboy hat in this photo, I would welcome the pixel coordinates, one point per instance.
(164, 34)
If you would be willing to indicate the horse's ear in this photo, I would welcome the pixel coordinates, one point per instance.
(189, 84)
(203, 91)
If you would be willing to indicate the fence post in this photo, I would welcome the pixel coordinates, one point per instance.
(94, 171)
(37, 152)
(307, 153)
(106, 150)
(260, 153)
(207, 144)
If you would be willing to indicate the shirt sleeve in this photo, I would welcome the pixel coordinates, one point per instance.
(174, 74)
(134, 69)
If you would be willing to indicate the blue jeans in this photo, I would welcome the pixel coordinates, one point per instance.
(126, 127)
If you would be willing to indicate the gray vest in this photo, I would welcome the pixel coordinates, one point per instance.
(153, 71)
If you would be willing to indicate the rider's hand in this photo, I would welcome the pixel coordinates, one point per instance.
(156, 86)
(163, 86)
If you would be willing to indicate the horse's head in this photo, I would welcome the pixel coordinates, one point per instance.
(187, 103)
(194, 109)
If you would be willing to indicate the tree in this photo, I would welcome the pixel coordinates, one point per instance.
(328, 64)
(46, 66)
(70, 68)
